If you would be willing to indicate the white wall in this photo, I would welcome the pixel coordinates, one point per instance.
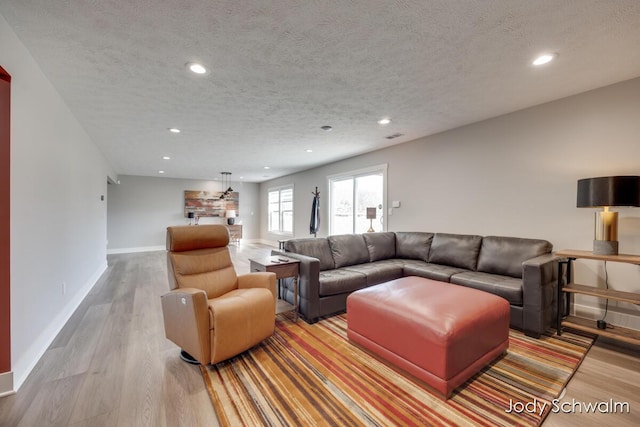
(140, 209)
(513, 175)
(58, 222)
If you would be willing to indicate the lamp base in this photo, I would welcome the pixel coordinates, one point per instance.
(605, 247)
(370, 230)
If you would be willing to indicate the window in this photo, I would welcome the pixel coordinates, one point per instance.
(350, 196)
(281, 210)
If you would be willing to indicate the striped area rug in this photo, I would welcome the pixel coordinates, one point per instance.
(307, 375)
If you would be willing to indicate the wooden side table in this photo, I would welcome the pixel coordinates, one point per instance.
(235, 233)
(283, 267)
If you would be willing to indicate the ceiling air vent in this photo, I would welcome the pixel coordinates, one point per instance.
(395, 135)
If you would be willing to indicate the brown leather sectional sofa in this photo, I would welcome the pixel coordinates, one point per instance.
(523, 271)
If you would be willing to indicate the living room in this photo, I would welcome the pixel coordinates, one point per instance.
(512, 174)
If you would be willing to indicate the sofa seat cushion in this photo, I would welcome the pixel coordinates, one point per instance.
(431, 271)
(313, 247)
(348, 249)
(340, 281)
(506, 287)
(378, 272)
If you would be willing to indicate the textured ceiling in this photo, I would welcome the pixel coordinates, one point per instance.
(279, 70)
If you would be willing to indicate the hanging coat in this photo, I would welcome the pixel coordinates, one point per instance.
(314, 225)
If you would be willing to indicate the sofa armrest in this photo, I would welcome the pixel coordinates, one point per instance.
(308, 284)
(186, 321)
(259, 280)
(539, 283)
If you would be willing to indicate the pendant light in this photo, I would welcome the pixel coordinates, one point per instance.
(226, 185)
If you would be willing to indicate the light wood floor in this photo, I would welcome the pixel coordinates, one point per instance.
(112, 366)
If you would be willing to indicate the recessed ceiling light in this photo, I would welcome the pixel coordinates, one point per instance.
(309, 150)
(196, 68)
(166, 158)
(544, 59)
(160, 171)
(384, 121)
(326, 128)
(174, 130)
(395, 135)
(267, 167)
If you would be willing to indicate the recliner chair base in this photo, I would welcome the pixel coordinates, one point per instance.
(188, 358)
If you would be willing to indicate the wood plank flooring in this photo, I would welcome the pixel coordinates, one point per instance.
(112, 366)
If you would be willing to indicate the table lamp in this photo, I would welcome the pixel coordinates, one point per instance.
(371, 215)
(607, 192)
(230, 214)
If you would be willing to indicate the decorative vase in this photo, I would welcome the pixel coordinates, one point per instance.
(231, 221)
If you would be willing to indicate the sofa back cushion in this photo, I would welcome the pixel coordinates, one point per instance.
(505, 255)
(380, 245)
(455, 250)
(313, 247)
(413, 245)
(348, 249)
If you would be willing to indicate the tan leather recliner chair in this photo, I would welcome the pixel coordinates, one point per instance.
(212, 313)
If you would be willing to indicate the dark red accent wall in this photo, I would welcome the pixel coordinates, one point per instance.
(5, 230)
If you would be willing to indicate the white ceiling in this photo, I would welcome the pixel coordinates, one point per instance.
(279, 70)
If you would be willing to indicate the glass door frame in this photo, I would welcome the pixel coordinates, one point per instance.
(372, 170)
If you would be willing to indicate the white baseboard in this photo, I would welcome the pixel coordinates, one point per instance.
(23, 367)
(267, 242)
(614, 317)
(133, 250)
(6, 384)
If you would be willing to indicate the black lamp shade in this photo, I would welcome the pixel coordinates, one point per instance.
(609, 191)
(190, 215)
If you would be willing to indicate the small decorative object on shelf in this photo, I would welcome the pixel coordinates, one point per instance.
(231, 216)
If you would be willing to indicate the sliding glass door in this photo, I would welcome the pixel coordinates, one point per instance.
(352, 196)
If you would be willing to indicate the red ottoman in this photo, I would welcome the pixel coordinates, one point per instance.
(441, 333)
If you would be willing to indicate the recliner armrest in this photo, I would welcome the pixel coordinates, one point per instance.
(186, 321)
(258, 280)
